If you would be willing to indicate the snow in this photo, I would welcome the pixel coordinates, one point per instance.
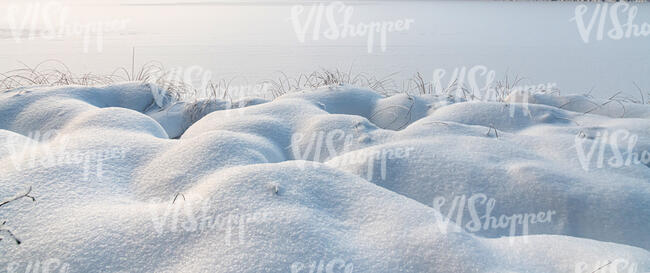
(337, 179)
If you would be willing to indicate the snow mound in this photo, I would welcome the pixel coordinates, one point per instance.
(338, 179)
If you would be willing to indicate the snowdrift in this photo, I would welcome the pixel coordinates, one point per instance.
(338, 179)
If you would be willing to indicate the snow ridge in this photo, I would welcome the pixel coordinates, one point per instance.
(337, 179)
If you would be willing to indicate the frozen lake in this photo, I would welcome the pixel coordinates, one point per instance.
(254, 41)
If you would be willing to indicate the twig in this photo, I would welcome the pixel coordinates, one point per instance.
(2, 226)
(25, 195)
(177, 194)
(640, 92)
(610, 262)
(496, 133)
(8, 231)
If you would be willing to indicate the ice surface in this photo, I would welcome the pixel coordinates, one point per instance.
(337, 179)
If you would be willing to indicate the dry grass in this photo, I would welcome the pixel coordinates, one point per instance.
(419, 85)
(498, 91)
(56, 73)
(618, 98)
(3, 227)
(42, 74)
(320, 78)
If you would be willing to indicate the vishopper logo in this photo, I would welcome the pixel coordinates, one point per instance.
(616, 30)
(195, 79)
(260, 90)
(196, 214)
(619, 265)
(51, 20)
(331, 139)
(49, 149)
(51, 265)
(477, 78)
(196, 82)
(337, 16)
(481, 83)
(588, 143)
(337, 265)
(517, 224)
(478, 83)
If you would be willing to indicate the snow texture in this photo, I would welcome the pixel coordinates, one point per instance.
(337, 179)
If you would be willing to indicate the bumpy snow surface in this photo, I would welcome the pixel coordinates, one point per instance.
(331, 180)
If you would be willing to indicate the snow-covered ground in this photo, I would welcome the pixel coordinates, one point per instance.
(337, 179)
